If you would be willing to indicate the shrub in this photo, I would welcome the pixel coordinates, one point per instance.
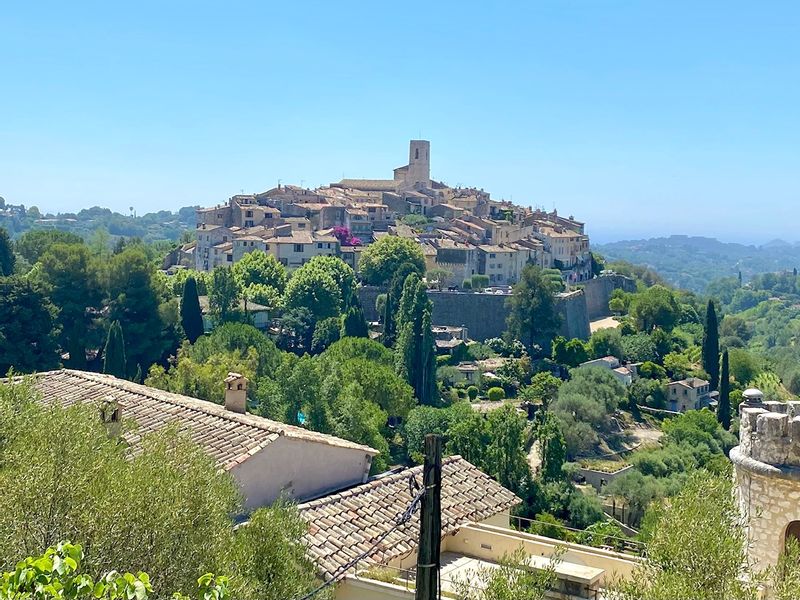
(496, 394)
(472, 392)
(480, 281)
(466, 284)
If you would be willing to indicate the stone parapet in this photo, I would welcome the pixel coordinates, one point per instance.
(771, 434)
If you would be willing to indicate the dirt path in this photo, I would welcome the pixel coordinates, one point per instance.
(604, 323)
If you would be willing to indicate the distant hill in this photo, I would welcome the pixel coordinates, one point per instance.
(162, 225)
(691, 262)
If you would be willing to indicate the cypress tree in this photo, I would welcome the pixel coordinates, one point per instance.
(711, 346)
(416, 349)
(428, 394)
(191, 316)
(114, 362)
(724, 402)
(353, 322)
(6, 254)
(388, 322)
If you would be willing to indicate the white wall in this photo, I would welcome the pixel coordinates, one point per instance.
(300, 468)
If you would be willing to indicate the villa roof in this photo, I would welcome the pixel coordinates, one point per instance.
(343, 525)
(228, 437)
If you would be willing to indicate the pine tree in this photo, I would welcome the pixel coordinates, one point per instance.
(114, 362)
(724, 403)
(353, 322)
(711, 346)
(191, 316)
(6, 254)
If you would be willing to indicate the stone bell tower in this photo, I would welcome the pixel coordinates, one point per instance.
(419, 163)
(767, 470)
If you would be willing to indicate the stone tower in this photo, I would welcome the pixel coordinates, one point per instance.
(419, 163)
(767, 464)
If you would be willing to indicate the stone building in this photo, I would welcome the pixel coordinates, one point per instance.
(767, 470)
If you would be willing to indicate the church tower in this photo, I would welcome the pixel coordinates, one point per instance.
(419, 163)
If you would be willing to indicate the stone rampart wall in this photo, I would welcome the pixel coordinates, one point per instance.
(598, 292)
(485, 315)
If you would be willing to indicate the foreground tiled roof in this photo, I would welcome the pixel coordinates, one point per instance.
(229, 438)
(345, 524)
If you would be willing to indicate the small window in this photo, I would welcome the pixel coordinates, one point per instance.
(416, 154)
(298, 247)
(492, 256)
(268, 216)
(249, 213)
(229, 258)
(224, 238)
(319, 245)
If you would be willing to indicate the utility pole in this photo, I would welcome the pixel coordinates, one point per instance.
(430, 522)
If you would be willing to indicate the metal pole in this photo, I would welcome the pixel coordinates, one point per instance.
(430, 535)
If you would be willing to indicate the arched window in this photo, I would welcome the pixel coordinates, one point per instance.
(416, 154)
(792, 531)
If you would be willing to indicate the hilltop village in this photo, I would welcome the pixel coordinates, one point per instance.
(462, 231)
(262, 401)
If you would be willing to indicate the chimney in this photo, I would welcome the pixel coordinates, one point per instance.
(236, 393)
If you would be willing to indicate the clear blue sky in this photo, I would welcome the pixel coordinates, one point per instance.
(641, 118)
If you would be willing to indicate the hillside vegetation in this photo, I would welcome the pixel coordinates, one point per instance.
(690, 262)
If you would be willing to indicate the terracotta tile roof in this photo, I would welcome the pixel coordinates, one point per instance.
(345, 524)
(229, 438)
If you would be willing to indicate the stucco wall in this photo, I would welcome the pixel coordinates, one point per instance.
(492, 545)
(599, 479)
(300, 468)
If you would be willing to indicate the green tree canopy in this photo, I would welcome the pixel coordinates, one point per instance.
(656, 306)
(260, 268)
(191, 315)
(532, 317)
(606, 342)
(381, 261)
(724, 404)
(224, 294)
(353, 322)
(33, 244)
(166, 511)
(415, 349)
(7, 258)
(141, 308)
(71, 277)
(314, 288)
(711, 346)
(28, 329)
(114, 361)
(696, 547)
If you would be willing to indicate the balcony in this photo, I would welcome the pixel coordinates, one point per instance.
(582, 572)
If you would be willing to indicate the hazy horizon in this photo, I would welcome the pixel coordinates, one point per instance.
(640, 120)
